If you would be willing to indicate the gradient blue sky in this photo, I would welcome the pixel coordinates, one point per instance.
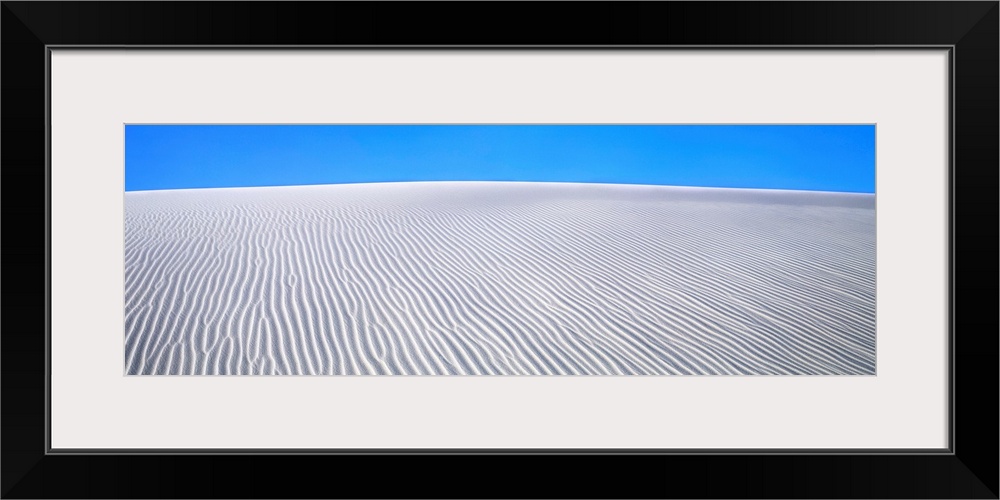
(807, 157)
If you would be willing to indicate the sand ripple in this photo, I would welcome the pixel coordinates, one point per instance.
(479, 278)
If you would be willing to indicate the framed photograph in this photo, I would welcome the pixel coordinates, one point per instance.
(499, 249)
(284, 237)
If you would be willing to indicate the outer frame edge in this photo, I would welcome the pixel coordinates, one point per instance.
(951, 204)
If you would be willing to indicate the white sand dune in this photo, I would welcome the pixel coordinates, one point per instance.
(499, 278)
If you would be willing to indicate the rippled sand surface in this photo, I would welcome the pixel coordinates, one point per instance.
(497, 278)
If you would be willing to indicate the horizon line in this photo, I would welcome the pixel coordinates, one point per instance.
(498, 181)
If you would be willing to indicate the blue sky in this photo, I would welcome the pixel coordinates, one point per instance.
(807, 157)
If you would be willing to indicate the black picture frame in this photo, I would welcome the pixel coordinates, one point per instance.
(968, 470)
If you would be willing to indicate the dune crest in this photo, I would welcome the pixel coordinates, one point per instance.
(493, 278)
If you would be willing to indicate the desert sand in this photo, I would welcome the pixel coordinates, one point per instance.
(499, 278)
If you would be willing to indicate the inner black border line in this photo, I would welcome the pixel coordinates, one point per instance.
(950, 251)
(609, 48)
(484, 451)
(47, 321)
(948, 450)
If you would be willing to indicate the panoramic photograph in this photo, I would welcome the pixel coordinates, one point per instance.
(509, 250)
